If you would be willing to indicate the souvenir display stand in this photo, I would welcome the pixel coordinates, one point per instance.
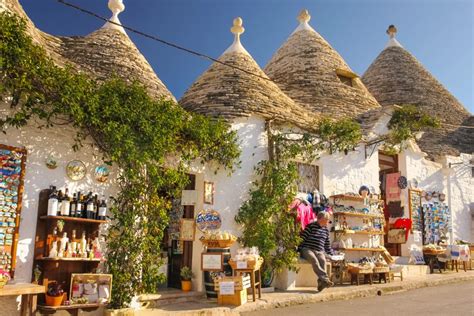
(358, 224)
(251, 267)
(60, 269)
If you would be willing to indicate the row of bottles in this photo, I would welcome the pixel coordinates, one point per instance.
(73, 248)
(80, 205)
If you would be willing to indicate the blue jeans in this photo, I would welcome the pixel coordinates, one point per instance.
(318, 262)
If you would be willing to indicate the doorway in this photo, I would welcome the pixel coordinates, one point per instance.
(180, 253)
(388, 164)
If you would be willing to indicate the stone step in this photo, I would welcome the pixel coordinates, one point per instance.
(170, 296)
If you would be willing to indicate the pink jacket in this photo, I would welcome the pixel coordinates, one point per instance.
(305, 214)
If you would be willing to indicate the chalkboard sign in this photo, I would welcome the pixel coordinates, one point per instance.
(414, 205)
(12, 170)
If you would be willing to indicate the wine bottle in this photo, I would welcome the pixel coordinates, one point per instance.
(53, 202)
(73, 207)
(60, 202)
(66, 203)
(102, 213)
(90, 205)
(80, 205)
(96, 207)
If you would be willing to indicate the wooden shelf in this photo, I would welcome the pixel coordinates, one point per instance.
(354, 214)
(359, 232)
(21, 289)
(74, 219)
(69, 259)
(361, 249)
(69, 307)
(353, 198)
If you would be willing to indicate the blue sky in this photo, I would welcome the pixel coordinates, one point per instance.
(439, 33)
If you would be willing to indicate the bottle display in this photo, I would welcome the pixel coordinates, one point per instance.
(79, 205)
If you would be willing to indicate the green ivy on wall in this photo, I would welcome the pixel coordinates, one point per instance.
(135, 132)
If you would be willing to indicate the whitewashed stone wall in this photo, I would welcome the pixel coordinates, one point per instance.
(40, 143)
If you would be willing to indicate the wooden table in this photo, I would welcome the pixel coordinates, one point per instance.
(355, 274)
(254, 284)
(28, 294)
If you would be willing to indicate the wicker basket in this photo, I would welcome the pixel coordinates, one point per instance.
(251, 264)
(217, 243)
(381, 269)
(434, 251)
(359, 269)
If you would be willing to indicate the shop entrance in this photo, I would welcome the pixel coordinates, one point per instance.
(388, 164)
(180, 253)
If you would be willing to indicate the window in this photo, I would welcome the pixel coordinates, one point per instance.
(345, 80)
(308, 177)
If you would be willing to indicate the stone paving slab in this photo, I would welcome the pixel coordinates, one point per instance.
(308, 295)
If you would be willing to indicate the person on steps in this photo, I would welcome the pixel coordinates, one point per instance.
(314, 246)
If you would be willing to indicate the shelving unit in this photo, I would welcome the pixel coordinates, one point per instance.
(60, 269)
(345, 230)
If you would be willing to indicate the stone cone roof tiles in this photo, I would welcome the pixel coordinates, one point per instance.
(304, 67)
(397, 77)
(222, 91)
(103, 53)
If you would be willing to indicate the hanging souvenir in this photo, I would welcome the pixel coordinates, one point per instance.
(76, 170)
(442, 197)
(51, 162)
(101, 173)
(208, 220)
(413, 183)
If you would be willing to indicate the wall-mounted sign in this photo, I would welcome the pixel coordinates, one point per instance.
(212, 262)
(208, 220)
(208, 192)
(187, 229)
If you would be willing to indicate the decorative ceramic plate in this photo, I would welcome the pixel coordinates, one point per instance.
(76, 170)
(101, 173)
(414, 183)
(208, 220)
(402, 182)
(51, 162)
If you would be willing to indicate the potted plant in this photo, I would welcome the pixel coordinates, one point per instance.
(54, 295)
(186, 276)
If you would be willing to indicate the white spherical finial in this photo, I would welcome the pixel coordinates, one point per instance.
(237, 28)
(116, 6)
(391, 31)
(304, 16)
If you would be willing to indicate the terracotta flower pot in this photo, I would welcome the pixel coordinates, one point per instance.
(186, 286)
(54, 300)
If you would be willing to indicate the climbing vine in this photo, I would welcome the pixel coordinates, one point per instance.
(138, 134)
(265, 218)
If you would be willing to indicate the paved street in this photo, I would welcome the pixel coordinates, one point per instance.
(454, 299)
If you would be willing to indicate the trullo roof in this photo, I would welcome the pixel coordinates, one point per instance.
(397, 77)
(306, 68)
(225, 91)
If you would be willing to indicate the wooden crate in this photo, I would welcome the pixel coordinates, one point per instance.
(241, 284)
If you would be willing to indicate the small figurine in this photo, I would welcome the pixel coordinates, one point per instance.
(37, 274)
(63, 245)
(53, 253)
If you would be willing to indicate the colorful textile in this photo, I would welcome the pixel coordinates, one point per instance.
(304, 212)
(392, 188)
(316, 237)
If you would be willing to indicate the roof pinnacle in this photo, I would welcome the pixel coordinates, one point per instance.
(237, 29)
(303, 18)
(392, 42)
(116, 6)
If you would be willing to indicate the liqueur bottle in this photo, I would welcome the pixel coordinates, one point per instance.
(90, 206)
(60, 203)
(80, 205)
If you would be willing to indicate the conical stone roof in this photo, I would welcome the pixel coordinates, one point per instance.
(306, 68)
(397, 77)
(103, 53)
(223, 91)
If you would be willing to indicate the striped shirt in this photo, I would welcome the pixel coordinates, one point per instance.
(316, 237)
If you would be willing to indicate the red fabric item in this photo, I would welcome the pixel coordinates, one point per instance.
(403, 223)
(304, 213)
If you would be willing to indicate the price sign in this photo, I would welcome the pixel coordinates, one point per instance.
(226, 288)
(241, 264)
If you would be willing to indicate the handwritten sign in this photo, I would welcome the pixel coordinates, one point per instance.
(226, 288)
(211, 262)
(186, 229)
(241, 264)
